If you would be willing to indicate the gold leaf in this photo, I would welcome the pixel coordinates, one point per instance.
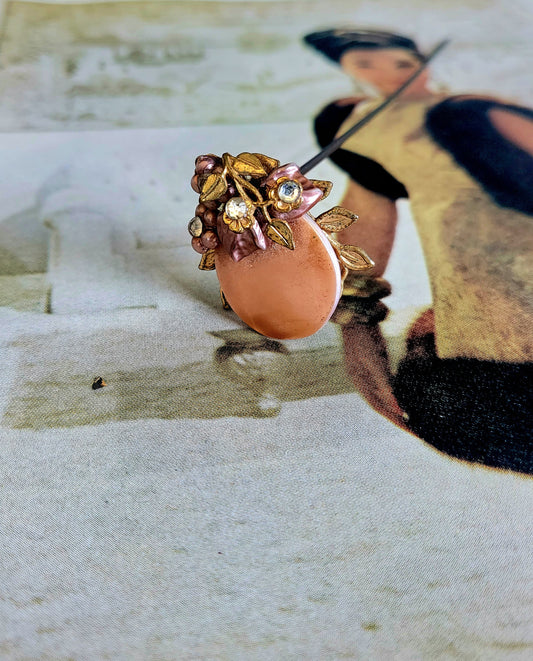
(344, 272)
(246, 163)
(325, 186)
(227, 159)
(269, 162)
(336, 219)
(213, 187)
(355, 258)
(224, 300)
(280, 232)
(207, 263)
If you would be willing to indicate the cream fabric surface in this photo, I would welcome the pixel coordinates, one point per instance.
(257, 510)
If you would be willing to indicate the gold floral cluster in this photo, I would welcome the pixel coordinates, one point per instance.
(248, 197)
(242, 170)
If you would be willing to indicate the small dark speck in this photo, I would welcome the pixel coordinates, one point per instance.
(220, 553)
(106, 502)
(98, 382)
(370, 626)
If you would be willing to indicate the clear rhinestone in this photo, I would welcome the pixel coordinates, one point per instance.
(196, 226)
(236, 208)
(289, 191)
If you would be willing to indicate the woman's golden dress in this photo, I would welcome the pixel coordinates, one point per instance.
(478, 253)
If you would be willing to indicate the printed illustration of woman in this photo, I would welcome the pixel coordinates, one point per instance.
(466, 165)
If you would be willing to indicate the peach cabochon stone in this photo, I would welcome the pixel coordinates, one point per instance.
(281, 293)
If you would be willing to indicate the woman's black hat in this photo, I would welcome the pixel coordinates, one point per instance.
(334, 43)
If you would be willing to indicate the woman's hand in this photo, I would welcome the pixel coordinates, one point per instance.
(376, 227)
(367, 365)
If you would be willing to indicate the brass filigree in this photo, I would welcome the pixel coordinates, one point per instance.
(324, 186)
(262, 199)
(247, 173)
(248, 164)
(280, 232)
(224, 300)
(336, 219)
(355, 258)
(207, 263)
(213, 187)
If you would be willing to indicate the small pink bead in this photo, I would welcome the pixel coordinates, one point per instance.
(194, 183)
(197, 244)
(204, 164)
(210, 219)
(209, 240)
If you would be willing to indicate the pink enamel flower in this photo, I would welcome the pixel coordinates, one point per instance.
(290, 192)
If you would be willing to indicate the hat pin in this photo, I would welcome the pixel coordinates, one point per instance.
(280, 269)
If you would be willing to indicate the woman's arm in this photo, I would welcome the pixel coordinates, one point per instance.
(518, 129)
(365, 351)
(376, 227)
(492, 141)
(329, 119)
(367, 364)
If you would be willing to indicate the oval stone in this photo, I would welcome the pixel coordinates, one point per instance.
(195, 226)
(281, 293)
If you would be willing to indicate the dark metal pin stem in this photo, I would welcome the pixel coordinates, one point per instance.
(333, 146)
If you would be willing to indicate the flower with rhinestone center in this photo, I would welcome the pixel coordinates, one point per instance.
(287, 195)
(238, 214)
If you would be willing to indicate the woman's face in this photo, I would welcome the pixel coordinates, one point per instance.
(385, 69)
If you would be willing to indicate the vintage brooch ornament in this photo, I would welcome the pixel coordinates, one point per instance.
(280, 270)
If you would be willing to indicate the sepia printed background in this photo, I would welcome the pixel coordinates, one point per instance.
(224, 497)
